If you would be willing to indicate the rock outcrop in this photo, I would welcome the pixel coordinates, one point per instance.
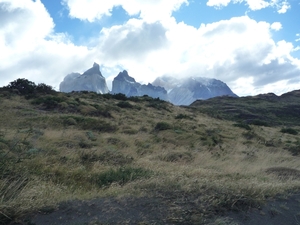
(90, 80)
(127, 85)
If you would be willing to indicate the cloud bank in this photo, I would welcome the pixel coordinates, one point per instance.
(239, 51)
(281, 5)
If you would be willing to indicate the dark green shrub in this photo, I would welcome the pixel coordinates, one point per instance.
(90, 135)
(124, 104)
(87, 123)
(107, 96)
(120, 176)
(49, 102)
(115, 158)
(289, 131)
(113, 140)
(183, 116)
(119, 96)
(70, 121)
(44, 89)
(87, 157)
(29, 88)
(242, 125)
(135, 98)
(259, 123)
(211, 138)
(163, 126)
(101, 111)
(23, 86)
(158, 105)
(249, 135)
(84, 144)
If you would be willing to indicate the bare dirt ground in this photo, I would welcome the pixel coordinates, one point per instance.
(144, 210)
(279, 211)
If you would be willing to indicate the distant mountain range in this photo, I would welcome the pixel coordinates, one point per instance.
(177, 91)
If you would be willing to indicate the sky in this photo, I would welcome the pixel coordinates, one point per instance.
(251, 45)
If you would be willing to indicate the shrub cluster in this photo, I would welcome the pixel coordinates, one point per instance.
(124, 104)
(242, 125)
(25, 87)
(289, 131)
(183, 116)
(121, 176)
(87, 123)
(163, 126)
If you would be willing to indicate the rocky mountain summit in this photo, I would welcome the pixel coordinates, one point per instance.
(186, 91)
(90, 80)
(127, 85)
(177, 91)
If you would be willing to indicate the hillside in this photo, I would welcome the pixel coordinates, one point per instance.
(264, 109)
(164, 164)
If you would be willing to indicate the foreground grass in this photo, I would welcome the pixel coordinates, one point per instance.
(63, 147)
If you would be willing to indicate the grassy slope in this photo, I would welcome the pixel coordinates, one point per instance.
(83, 145)
(267, 109)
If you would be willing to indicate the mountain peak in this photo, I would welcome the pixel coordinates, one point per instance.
(94, 70)
(90, 80)
(123, 76)
(125, 84)
(96, 65)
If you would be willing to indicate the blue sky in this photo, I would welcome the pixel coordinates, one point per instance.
(252, 45)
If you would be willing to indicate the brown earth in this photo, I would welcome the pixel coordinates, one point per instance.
(282, 210)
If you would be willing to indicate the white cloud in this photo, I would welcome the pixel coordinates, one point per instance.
(30, 49)
(276, 26)
(229, 50)
(239, 51)
(218, 3)
(257, 4)
(281, 5)
(135, 39)
(149, 10)
(298, 39)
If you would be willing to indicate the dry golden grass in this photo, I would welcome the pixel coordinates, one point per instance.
(52, 161)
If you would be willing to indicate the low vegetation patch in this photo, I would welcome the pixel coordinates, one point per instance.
(120, 176)
(88, 123)
(183, 116)
(289, 131)
(49, 102)
(125, 104)
(258, 122)
(284, 173)
(177, 157)
(163, 126)
(294, 148)
(108, 157)
(242, 125)
(211, 137)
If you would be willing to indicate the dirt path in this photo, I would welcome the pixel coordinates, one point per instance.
(104, 211)
(282, 211)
